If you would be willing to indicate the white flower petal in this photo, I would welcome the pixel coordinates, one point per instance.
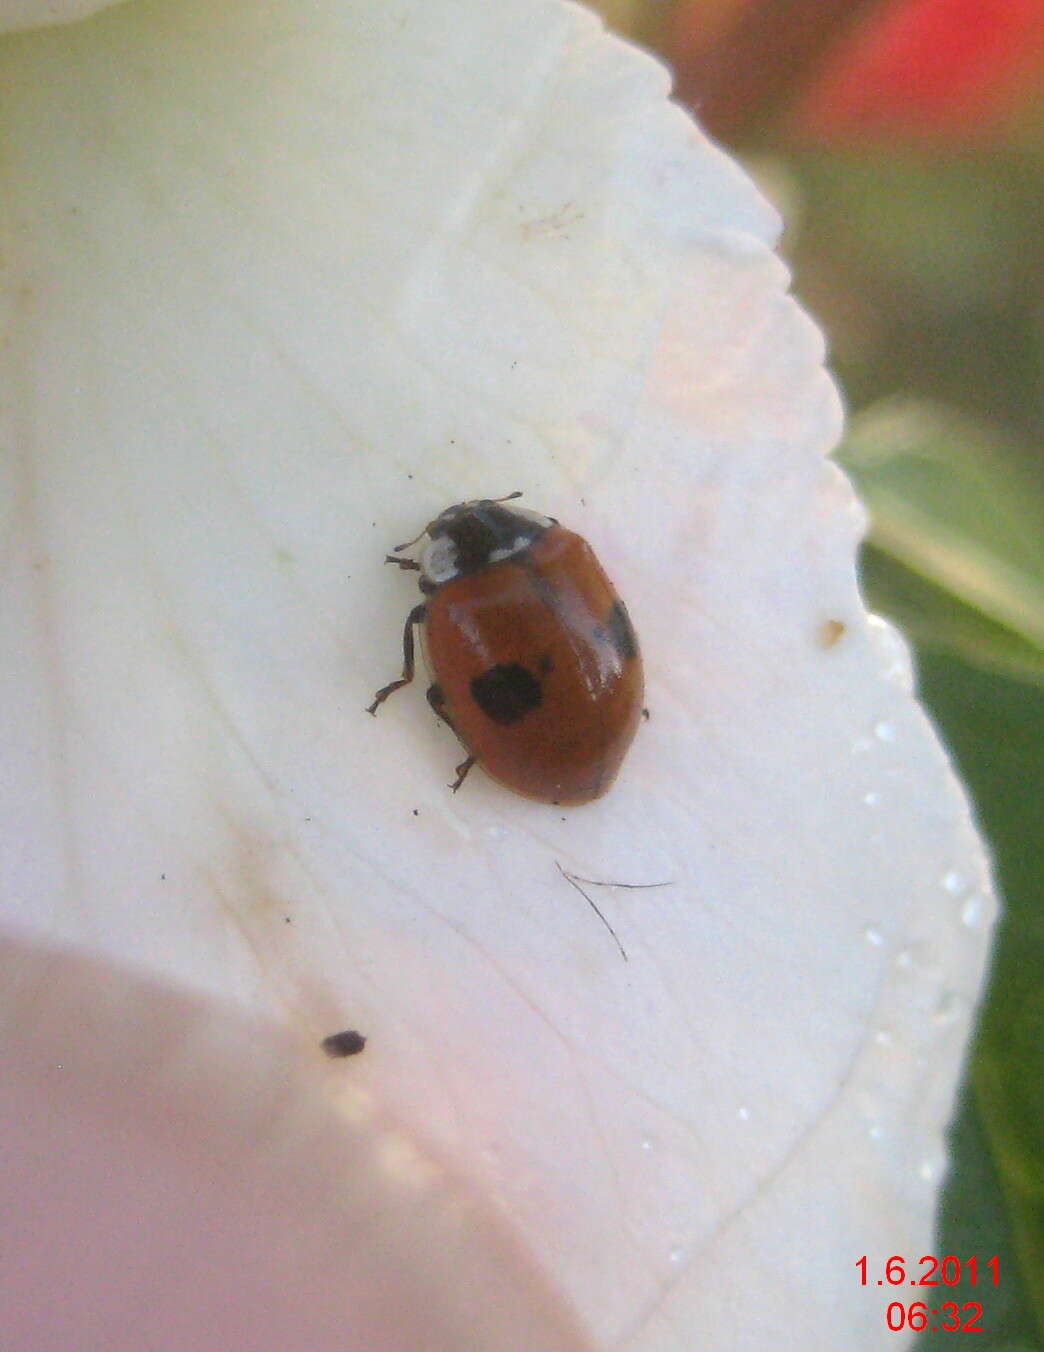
(286, 282)
(176, 1177)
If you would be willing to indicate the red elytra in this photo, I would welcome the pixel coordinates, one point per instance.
(534, 663)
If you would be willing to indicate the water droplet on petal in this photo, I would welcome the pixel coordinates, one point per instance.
(884, 732)
(876, 1132)
(918, 958)
(647, 1145)
(972, 911)
(953, 882)
(676, 1254)
(948, 1008)
(883, 1037)
(872, 799)
(873, 936)
(743, 1113)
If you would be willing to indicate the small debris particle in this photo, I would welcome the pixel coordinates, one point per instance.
(831, 632)
(348, 1043)
(574, 880)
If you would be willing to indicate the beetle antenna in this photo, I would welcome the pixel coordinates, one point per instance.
(508, 497)
(397, 549)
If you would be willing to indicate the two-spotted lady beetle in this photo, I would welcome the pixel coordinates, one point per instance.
(534, 662)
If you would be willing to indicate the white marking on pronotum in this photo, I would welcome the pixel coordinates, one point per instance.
(439, 560)
(519, 543)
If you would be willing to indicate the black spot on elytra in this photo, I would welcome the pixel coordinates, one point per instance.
(348, 1043)
(621, 633)
(506, 693)
(546, 664)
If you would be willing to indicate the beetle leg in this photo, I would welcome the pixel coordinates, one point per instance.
(415, 616)
(462, 773)
(411, 564)
(437, 700)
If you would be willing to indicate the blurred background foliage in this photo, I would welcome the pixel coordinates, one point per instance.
(903, 141)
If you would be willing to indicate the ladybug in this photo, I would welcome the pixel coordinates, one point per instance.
(533, 660)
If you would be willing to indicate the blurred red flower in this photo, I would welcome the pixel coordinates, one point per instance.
(928, 69)
(848, 71)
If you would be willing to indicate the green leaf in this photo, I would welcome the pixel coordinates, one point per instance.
(974, 1220)
(994, 1200)
(926, 273)
(936, 619)
(957, 533)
